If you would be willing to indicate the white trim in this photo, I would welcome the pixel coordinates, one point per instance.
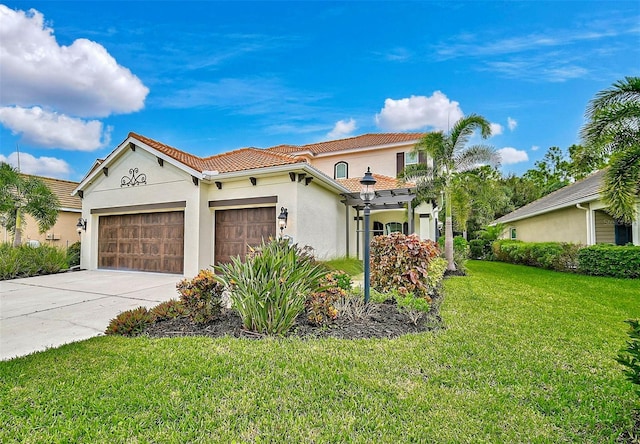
(590, 199)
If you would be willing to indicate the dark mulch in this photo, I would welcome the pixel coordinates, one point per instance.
(384, 321)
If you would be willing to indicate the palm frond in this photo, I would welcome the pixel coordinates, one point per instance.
(475, 156)
(622, 184)
(627, 90)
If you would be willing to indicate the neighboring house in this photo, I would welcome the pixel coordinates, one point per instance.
(64, 232)
(152, 207)
(574, 214)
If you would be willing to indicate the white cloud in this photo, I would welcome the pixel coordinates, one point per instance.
(82, 79)
(511, 155)
(418, 112)
(511, 123)
(343, 128)
(496, 129)
(39, 166)
(535, 148)
(53, 130)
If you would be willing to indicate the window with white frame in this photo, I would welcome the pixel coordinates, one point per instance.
(340, 170)
(410, 158)
(393, 227)
(513, 233)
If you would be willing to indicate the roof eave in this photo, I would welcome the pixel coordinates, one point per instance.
(584, 199)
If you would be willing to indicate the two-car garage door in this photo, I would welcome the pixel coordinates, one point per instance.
(155, 241)
(142, 242)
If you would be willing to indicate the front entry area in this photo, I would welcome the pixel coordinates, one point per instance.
(236, 230)
(142, 242)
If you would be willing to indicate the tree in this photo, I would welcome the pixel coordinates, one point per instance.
(551, 173)
(613, 127)
(451, 156)
(20, 195)
(585, 161)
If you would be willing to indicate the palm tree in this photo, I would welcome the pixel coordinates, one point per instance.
(613, 127)
(20, 195)
(451, 156)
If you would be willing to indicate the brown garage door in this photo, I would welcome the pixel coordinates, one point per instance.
(235, 229)
(143, 242)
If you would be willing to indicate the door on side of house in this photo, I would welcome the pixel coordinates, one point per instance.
(236, 230)
(623, 233)
(142, 242)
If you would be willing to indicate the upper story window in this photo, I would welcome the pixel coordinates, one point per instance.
(410, 158)
(340, 170)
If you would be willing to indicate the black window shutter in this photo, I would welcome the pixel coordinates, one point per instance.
(422, 158)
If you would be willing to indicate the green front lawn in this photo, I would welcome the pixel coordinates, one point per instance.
(527, 356)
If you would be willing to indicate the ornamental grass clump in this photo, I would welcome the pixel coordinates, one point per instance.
(269, 289)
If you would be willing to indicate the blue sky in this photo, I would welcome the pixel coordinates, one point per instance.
(208, 77)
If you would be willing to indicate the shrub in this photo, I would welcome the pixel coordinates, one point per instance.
(630, 355)
(480, 249)
(73, 254)
(201, 296)
(320, 305)
(460, 251)
(610, 260)
(130, 322)
(351, 306)
(270, 288)
(401, 262)
(413, 307)
(25, 261)
(170, 309)
(435, 274)
(559, 256)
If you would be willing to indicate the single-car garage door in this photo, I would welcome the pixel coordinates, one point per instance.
(236, 229)
(142, 242)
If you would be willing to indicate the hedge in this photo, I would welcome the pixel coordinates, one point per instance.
(610, 260)
(559, 256)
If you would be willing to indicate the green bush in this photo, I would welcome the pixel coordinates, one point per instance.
(170, 309)
(435, 274)
(630, 355)
(270, 288)
(610, 260)
(320, 305)
(559, 256)
(480, 249)
(460, 251)
(130, 322)
(410, 305)
(73, 254)
(201, 296)
(401, 262)
(25, 261)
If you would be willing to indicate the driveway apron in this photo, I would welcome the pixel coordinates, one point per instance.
(47, 311)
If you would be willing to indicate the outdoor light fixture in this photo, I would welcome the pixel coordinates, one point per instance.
(282, 220)
(367, 194)
(81, 225)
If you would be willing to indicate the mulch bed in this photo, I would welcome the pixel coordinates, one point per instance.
(383, 321)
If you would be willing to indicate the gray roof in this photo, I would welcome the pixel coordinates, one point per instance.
(585, 190)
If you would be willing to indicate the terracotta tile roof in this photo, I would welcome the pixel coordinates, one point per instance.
(189, 160)
(237, 160)
(63, 189)
(584, 190)
(363, 141)
(248, 159)
(383, 183)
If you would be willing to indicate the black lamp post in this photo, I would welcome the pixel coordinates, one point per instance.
(282, 220)
(367, 194)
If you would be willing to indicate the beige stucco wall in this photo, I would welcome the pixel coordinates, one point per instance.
(164, 184)
(565, 225)
(316, 216)
(381, 161)
(62, 234)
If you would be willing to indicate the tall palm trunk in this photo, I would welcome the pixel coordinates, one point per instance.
(17, 237)
(448, 231)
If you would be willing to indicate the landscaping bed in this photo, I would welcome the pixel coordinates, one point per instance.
(382, 321)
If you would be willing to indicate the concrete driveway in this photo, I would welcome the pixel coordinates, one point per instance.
(47, 311)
